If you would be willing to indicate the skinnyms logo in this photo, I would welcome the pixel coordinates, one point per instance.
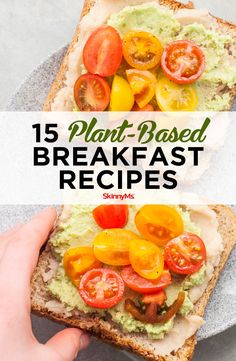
(118, 196)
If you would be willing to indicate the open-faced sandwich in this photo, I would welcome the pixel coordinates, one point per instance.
(140, 55)
(136, 276)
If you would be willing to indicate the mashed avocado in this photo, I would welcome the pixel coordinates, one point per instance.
(163, 24)
(80, 229)
(195, 279)
(147, 17)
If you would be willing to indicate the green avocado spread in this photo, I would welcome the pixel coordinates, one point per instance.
(163, 24)
(80, 229)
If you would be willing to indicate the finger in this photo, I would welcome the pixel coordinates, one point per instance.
(21, 253)
(6, 236)
(67, 343)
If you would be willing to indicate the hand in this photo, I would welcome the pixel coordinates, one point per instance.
(19, 251)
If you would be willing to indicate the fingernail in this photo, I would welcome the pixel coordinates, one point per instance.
(84, 341)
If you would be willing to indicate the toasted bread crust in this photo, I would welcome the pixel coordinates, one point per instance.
(106, 330)
(172, 4)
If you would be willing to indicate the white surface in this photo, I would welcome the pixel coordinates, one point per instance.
(29, 31)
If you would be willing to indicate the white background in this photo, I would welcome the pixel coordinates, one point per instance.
(30, 31)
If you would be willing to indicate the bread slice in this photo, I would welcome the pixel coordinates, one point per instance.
(107, 330)
(224, 27)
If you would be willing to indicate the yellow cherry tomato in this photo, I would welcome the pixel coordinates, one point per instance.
(122, 98)
(175, 97)
(142, 50)
(143, 85)
(158, 223)
(111, 246)
(78, 261)
(146, 259)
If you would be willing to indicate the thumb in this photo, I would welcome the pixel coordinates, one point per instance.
(68, 343)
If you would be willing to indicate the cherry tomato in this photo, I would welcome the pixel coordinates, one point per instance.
(146, 259)
(111, 216)
(79, 260)
(122, 98)
(102, 53)
(159, 223)
(157, 298)
(142, 50)
(175, 97)
(143, 85)
(101, 288)
(147, 108)
(185, 254)
(111, 246)
(183, 61)
(142, 285)
(91, 93)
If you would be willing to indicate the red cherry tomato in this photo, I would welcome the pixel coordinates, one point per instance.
(91, 93)
(142, 285)
(183, 61)
(147, 108)
(185, 254)
(111, 216)
(102, 53)
(101, 288)
(157, 298)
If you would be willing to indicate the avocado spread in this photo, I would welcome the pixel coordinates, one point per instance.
(162, 23)
(80, 229)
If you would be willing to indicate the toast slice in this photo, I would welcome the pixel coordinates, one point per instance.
(224, 27)
(107, 330)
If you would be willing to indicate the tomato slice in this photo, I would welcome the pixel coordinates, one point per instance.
(111, 246)
(150, 315)
(146, 259)
(142, 285)
(157, 298)
(101, 288)
(111, 216)
(143, 85)
(102, 53)
(79, 260)
(91, 93)
(142, 50)
(159, 223)
(122, 98)
(183, 61)
(175, 97)
(147, 108)
(185, 254)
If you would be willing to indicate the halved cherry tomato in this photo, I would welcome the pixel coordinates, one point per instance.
(175, 97)
(79, 260)
(146, 259)
(142, 50)
(147, 108)
(142, 285)
(111, 246)
(122, 98)
(159, 223)
(101, 288)
(151, 315)
(143, 85)
(183, 61)
(185, 254)
(102, 53)
(157, 298)
(91, 93)
(111, 216)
